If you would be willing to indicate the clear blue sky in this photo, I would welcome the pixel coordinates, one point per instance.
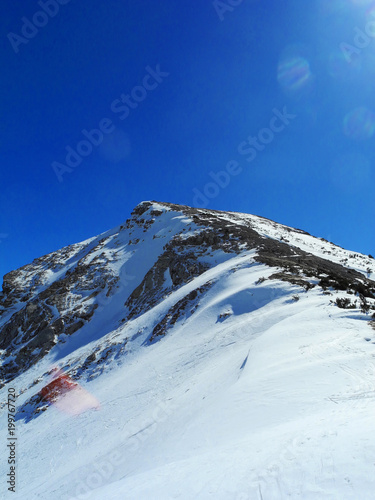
(225, 72)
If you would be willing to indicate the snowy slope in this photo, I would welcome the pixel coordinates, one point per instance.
(216, 375)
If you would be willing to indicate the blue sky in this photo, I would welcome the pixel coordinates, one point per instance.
(258, 106)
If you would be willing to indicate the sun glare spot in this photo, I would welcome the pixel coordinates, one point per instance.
(294, 72)
(359, 124)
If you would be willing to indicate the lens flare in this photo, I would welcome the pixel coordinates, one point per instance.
(370, 13)
(293, 73)
(359, 124)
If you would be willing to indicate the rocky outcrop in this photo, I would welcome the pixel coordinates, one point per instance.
(223, 232)
(178, 263)
(183, 309)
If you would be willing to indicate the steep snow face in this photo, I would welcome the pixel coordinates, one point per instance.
(206, 357)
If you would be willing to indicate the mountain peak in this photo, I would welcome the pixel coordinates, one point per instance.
(194, 311)
(159, 250)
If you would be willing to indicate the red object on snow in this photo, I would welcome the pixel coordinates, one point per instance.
(68, 396)
(59, 386)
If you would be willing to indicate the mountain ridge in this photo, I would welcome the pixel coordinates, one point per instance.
(50, 308)
(189, 337)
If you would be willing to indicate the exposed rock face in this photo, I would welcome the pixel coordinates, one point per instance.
(45, 309)
(183, 308)
(179, 262)
(168, 246)
(233, 237)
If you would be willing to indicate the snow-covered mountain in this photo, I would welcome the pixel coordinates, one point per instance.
(201, 354)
